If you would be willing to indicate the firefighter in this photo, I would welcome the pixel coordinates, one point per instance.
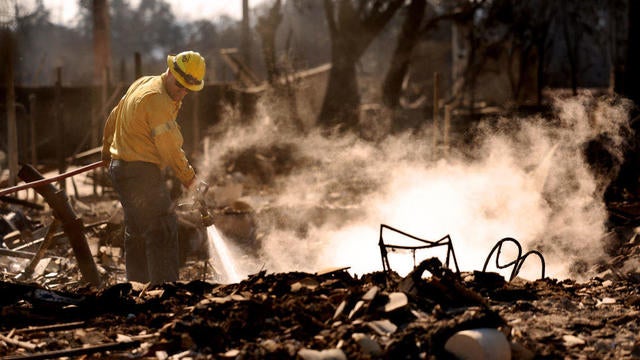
(142, 138)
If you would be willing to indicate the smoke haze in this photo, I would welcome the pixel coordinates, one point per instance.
(525, 178)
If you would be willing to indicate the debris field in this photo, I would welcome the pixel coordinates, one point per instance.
(431, 313)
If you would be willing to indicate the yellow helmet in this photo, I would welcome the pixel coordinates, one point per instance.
(188, 68)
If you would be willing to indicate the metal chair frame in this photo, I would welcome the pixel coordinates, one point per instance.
(444, 241)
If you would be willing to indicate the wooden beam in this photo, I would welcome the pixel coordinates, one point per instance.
(48, 241)
(53, 327)
(18, 254)
(77, 351)
(23, 344)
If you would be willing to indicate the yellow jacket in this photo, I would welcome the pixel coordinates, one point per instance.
(143, 127)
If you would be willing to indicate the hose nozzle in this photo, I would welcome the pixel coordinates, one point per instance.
(207, 218)
(205, 214)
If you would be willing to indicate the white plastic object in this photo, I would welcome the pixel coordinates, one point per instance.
(479, 344)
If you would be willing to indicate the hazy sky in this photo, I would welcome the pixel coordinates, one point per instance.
(65, 11)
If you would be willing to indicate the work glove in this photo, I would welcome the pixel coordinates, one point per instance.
(197, 189)
(201, 189)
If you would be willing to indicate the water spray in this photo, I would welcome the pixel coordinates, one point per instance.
(216, 242)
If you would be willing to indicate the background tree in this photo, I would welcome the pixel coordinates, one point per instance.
(539, 27)
(473, 25)
(632, 87)
(352, 27)
(278, 77)
(523, 28)
(305, 30)
(149, 29)
(581, 24)
(414, 29)
(202, 35)
(572, 37)
(267, 26)
(521, 43)
(407, 39)
(30, 26)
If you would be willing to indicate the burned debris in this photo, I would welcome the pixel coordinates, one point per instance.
(488, 121)
(328, 315)
(436, 311)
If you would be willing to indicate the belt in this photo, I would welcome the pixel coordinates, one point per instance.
(119, 162)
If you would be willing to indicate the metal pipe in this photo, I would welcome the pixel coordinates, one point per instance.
(41, 182)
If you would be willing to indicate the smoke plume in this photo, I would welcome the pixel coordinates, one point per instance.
(527, 178)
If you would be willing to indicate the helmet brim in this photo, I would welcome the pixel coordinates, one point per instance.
(170, 64)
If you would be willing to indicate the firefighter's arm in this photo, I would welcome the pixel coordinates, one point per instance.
(172, 155)
(168, 140)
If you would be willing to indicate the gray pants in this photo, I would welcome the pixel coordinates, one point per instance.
(151, 236)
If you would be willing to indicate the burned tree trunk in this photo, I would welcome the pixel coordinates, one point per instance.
(101, 43)
(246, 34)
(541, 45)
(267, 26)
(572, 43)
(342, 98)
(7, 58)
(632, 82)
(407, 39)
(412, 29)
(351, 31)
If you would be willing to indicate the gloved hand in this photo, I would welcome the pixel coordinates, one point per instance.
(197, 188)
(200, 190)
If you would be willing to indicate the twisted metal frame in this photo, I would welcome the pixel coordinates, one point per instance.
(444, 241)
(519, 260)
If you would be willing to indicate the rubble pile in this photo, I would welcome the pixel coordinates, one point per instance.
(431, 313)
(328, 315)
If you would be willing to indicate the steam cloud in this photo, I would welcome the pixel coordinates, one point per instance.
(525, 178)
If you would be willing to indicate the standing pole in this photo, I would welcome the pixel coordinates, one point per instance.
(246, 35)
(436, 80)
(101, 38)
(103, 103)
(101, 70)
(447, 127)
(196, 120)
(123, 71)
(32, 129)
(12, 129)
(62, 166)
(137, 65)
(33, 137)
